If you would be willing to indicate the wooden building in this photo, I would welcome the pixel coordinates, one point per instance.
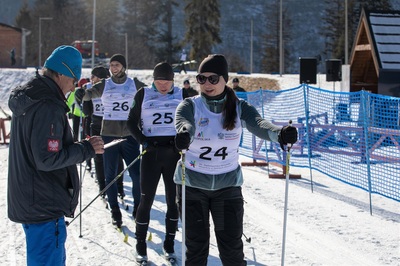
(375, 57)
(12, 39)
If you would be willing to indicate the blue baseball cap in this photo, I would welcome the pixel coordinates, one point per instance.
(66, 60)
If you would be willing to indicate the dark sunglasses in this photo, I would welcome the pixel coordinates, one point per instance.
(213, 79)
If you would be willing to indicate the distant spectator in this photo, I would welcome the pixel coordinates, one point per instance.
(12, 56)
(182, 61)
(236, 86)
(189, 89)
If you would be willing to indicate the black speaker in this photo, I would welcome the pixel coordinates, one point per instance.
(308, 70)
(333, 70)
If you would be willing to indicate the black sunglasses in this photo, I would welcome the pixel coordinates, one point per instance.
(213, 79)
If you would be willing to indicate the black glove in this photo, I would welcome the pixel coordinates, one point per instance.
(182, 140)
(79, 93)
(287, 135)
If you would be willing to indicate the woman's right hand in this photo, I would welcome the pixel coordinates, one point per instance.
(182, 140)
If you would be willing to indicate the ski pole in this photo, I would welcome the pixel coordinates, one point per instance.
(248, 239)
(81, 174)
(183, 209)
(109, 185)
(288, 147)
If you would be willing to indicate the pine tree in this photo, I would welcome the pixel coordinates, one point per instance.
(202, 19)
(24, 19)
(108, 18)
(167, 47)
(141, 23)
(61, 29)
(271, 57)
(335, 22)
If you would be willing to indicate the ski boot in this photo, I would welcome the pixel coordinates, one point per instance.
(141, 252)
(169, 253)
(116, 216)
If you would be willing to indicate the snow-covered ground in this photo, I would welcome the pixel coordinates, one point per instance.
(330, 226)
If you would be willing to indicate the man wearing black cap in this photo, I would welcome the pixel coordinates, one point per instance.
(117, 95)
(151, 122)
(96, 110)
(209, 129)
(236, 87)
(189, 89)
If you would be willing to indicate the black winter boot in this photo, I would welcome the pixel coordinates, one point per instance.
(141, 252)
(169, 246)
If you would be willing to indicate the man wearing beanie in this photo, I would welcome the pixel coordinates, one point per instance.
(236, 87)
(43, 180)
(151, 122)
(94, 108)
(209, 128)
(120, 59)
(189, 89)
(117, 93)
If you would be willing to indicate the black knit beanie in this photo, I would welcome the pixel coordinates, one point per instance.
(215, 63)
(163, 71)
(119, 58)
(101, 72)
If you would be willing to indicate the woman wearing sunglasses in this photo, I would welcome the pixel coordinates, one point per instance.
(209, 127)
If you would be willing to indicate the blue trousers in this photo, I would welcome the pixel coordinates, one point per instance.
(128, 150)
(45, 243)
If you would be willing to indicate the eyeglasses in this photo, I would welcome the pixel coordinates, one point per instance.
(213, 79)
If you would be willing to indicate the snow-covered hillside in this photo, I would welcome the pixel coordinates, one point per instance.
(331, 226)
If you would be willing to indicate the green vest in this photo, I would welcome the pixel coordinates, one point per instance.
(75, 109)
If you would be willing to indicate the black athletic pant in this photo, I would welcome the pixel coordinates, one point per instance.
(226, 207)
(157, 161)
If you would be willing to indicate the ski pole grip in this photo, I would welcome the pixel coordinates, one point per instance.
(289, 145)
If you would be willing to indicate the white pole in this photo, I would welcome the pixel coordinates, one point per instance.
(288, 147)
(93, 32)
(40, 38)
(280, 40)
(183, 209)
(40, 43)
(126, 51)
(251, 46)
(346, 36)
(25, 33)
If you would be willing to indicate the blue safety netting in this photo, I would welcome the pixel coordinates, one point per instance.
(352, 137)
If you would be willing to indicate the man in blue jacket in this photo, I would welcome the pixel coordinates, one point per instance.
(43, 181)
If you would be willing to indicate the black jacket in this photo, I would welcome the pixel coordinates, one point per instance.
(43, 181)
